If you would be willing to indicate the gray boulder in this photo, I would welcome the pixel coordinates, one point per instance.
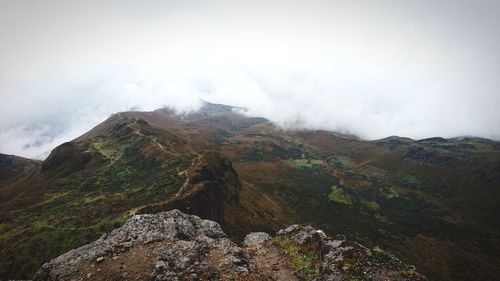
(176, 246)
(255, 239)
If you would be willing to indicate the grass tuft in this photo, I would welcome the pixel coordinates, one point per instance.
(304, 262)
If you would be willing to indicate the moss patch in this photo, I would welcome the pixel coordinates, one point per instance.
(381, 218)
(339, 161)
(411, 181)
(304, 262)
(338, 195)
(304, 163)
(389, 193)
(370, 205)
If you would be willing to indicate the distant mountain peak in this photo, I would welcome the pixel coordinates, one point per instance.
(208, 107)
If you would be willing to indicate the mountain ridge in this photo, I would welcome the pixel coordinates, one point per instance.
(437, 198)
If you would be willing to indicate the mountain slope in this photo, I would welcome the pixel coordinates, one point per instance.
(13, 168)
(93, 184)
(432, 202)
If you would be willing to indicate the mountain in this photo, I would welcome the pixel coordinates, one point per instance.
(13, 168)
(431, 202)
(175, 246)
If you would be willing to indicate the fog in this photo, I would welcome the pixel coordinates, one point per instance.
(371, 68)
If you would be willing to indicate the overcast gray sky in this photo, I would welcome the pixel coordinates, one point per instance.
(373, 68)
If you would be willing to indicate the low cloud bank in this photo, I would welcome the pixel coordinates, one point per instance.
(419, 70)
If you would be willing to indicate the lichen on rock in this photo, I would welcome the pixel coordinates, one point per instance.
(176, 246)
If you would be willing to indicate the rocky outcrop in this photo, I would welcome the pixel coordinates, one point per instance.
(176, 246)
(165, 246)
(318, 257)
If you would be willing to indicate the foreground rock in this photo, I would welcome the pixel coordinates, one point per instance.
(176, 246)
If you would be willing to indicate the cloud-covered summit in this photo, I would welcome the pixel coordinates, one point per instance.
(372, 68)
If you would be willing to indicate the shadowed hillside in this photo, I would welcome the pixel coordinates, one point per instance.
(432, 202)
(13, 168)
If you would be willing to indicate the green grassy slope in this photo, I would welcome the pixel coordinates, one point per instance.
(432, 202)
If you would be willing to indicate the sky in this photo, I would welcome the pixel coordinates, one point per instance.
(371, 68)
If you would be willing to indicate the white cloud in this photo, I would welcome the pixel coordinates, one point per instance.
(421, 69)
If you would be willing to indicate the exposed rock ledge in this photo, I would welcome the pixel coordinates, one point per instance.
(176, 246)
